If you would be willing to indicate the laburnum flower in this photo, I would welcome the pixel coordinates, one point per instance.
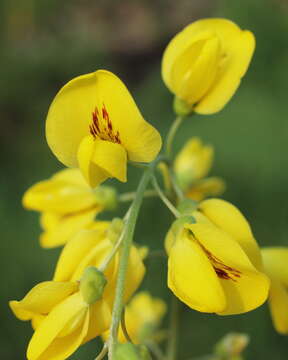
(275, 263)
(204, 63)
(94, 124)
(67, 205)
(143, 315)
(191, 166)
(65, 313)
(214, 263)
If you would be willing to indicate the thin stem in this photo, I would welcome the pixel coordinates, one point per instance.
(128, 233)
(110, 256)
(165, 200)
(173, 330)
(130, 196)
(156, 350)
(124, 328)
(102, 353)
(171, 134)
(176, 187)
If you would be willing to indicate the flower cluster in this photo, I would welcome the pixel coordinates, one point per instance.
(215, 265)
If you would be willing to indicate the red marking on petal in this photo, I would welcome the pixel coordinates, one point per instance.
(102, 126)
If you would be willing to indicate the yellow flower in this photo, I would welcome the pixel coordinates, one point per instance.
(67, 205)
(143, 315)
(275, 263)
(91, 248)
(94, 124)
(62, 316)
(191, 165)
(215, 264)
(204, 63)
(62, 320)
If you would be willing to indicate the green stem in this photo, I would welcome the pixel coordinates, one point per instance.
(130, 196)
(155, 350)
(165, 200)
(102, 353)
(173, 330)
(171, 134)
(176, 187)
(124, 257)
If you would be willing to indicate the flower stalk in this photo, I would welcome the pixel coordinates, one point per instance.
(127, 240)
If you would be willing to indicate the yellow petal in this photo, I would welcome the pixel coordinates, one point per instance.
(100, 319)
(195, 69)
(135, 273)
(228, 218)
(76, 250)
(36, 320)
(238, 48)
(58, 196)
(275, 261)
(278, 303)
(212, 186)
(192, 278)
(193, 162)
(46, 343)
(93, 174)
(112, 158)
(245, 287)
(71, 115)
(42, 298)
(60, 231)
(71, 176)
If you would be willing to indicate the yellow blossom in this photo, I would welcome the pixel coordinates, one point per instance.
(67, 205)
(66, 312)
(191, 165)
(61, 318)
(143, 315)
(215, 264)
(204, 63)
(91, 248)
(275, 263)
(94, 124)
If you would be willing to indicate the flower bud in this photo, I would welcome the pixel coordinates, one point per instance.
(92, 285)
(232, 345)
(115, 229)
(132, 352)
(106, 196)
(202, 66)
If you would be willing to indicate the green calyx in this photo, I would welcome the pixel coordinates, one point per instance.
(132, 352)
(92, 285)
(187, 206)
(106, 196)
(181, 107)
(178, 224)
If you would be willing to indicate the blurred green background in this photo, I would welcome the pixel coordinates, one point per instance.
(45, 43)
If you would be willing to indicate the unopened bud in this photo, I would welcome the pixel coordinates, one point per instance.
(181, 107)
(106, 196)
(129, 351)
(232, 345)
(115, 229)
(92, 285)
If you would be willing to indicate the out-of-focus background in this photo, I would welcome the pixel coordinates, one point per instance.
(45, 43)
